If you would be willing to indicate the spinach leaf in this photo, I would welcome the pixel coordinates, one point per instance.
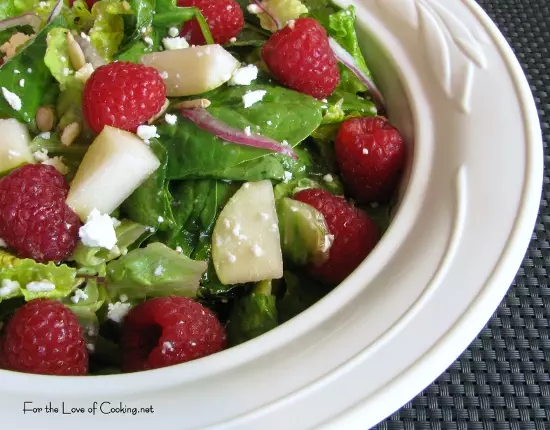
(29, 64)
(250, 36)
(151, 203)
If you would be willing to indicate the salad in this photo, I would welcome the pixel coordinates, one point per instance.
(179, 176)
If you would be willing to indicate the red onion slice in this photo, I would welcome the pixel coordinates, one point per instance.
(26, 19)
(347, 59)
(55, 11)
(203, 119)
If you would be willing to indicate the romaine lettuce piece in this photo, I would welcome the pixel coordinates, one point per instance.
(282, 10)
(154, 271)
(107, 32)
(305, 237)
(252, 315)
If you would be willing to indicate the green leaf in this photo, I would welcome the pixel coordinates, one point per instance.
(25, 271)
(251, 316)
(301, 292)
(152, 200)
(154, 271)
(107, 32)
(282, 10)
(92, 257)
(37, 81)
(305, 237)
(57, 56)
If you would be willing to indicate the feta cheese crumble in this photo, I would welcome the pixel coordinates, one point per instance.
(40, 286)
(148, 40)
(79, 295)
(291, 24)
(159, 271)
(287, 176)
(98, 231)
(146, 132)
(123, 298)
(252, 97)
(167, 346)
(57, 162)
(233, 40)
(164, 75)
(172, 43)
(171, 119)
(160, 219)
(46, 136)
(8, 287)
(244, 75)
(22, 83)
(179, 249)
(3, 243)
(117, 311)
(41, 155)
(13, 99)
(328, 178)
(173, 32)
(247, 131)
(254, 9)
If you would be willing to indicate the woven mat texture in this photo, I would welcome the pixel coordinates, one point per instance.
(502, 380)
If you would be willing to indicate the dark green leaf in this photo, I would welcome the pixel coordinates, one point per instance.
(301, 292)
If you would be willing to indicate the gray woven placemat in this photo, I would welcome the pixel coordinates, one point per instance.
(502, 380)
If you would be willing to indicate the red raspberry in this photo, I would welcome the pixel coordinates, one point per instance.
(301, 58)
(224, 17)
(169, 330)
(34, 219)
(355, 235)
(43, 336)
(371, 154)
(122, 95)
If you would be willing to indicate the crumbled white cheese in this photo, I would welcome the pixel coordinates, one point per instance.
(90, 347)
(160, 219)
(117, 311)
(57, 162)
(269, 122)
(13, 99)
(244, 75)
(3, 243)
(84, 73)
(291, 24)
(123, 298)
(29, 70)
(46, 136)
(173, 32)
(328, 178)
(146, 132)
(254, 9)
(167, 346)
(179, 249)
(79, 295)
(43, 4)
(159, 271)
(8, 287)
(22, 83)
(148, 40)
(164, 75)
(285, 143)
(171, 43)
(40, 286)
(98, 231)
(365, 151)
(257, 250)
(17, 72)
(247, 131)
(233, 40)
(287, 176)
(66, 71)
(41, 155)
(170, 118)
(246, 185)
(252, 97)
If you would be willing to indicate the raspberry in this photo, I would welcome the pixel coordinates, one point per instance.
(224, 17)
(301, 58)
(122, 95)
(371, 154)
(169, 330)
(34, 219)
(43, 336)
(355, 235)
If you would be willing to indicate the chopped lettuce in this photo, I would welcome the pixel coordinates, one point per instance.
(252, 315)
(107, 32)
(16, 274)
(57, 57)
(154, 271)
(301, 292)
(282, 10)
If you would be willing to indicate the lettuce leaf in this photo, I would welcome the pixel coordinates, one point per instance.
(282, 10)
(154, 271)
(57, 57)
(24, 271)
(107, 32)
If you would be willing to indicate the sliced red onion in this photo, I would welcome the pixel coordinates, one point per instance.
(266, 11)
(56, 11)
(90, 53)
(26, 19)
(347, 59)
(203, 119)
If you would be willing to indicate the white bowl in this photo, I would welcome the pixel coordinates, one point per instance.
(465, 217)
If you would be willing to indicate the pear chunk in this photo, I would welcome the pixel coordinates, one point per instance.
(14, 145)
